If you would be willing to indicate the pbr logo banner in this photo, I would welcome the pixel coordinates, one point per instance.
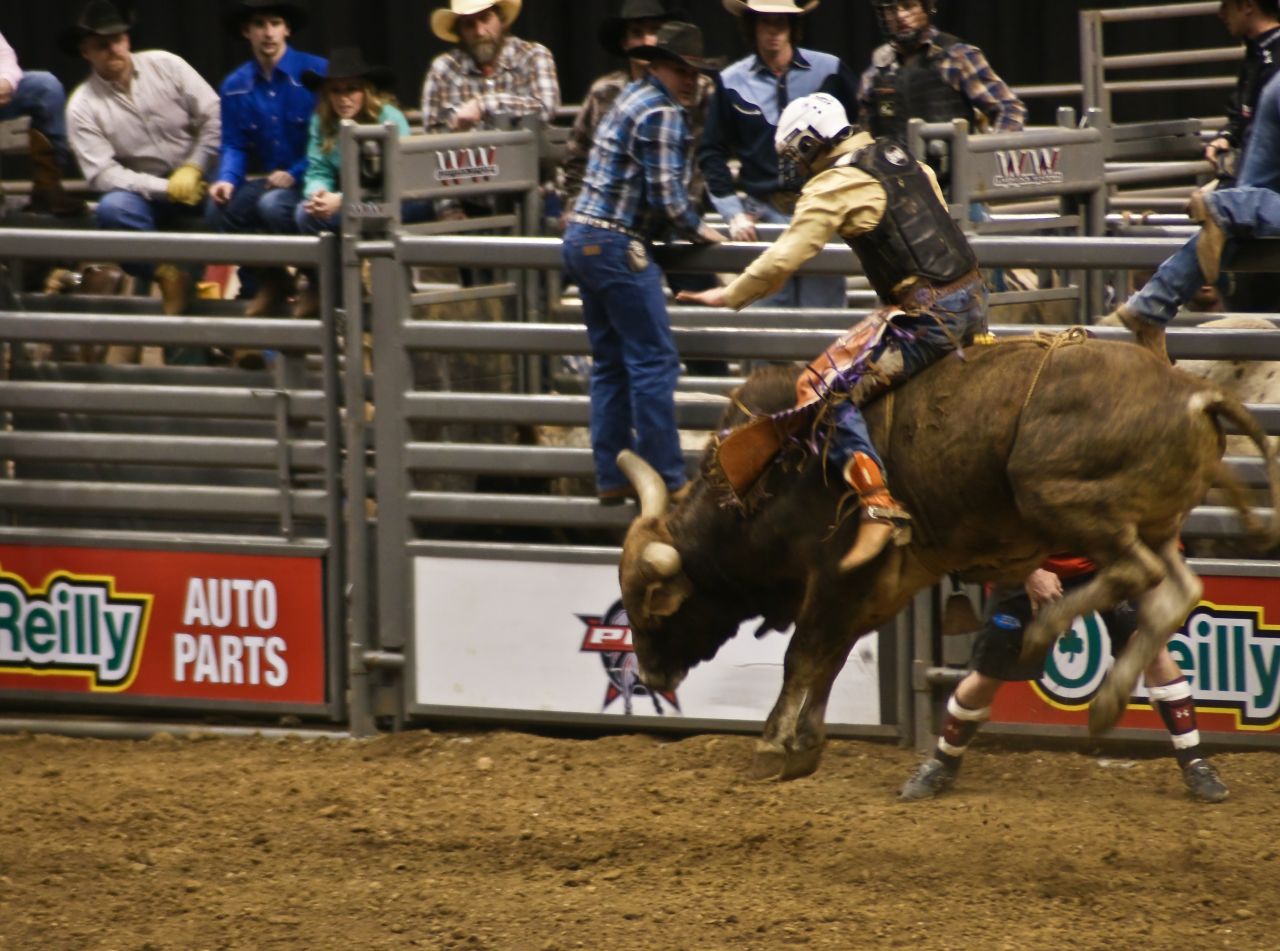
(536, 636)
(1229, 649)
(162, 624)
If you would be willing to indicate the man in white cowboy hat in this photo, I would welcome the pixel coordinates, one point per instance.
(265, 114)
(634, 191)
(750, 96)
(145, 128)
(921, 73)
(490, 76)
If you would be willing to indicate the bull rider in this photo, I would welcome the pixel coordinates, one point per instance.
(890, 210)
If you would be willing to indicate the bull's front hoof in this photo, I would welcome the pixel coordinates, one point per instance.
(1105, 711)
(772, 763)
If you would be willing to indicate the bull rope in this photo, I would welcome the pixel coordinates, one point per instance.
(1068, 338)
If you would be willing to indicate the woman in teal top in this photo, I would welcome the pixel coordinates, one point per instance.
(351, 90)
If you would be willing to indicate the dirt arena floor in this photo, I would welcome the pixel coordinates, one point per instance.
(511, 841)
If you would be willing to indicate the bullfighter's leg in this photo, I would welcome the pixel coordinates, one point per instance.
(1160, 611)
(826, 630)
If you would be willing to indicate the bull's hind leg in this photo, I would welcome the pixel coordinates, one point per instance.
(1128, 571)
(826, 630)
(1160, 612)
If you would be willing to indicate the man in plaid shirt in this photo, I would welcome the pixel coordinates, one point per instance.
(635, 190)
(491, 76)
(922, 73)
(636, 25)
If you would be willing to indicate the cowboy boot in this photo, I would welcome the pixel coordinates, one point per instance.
(1212, 238)
(274, 289)
(883, 519)
(47, 194)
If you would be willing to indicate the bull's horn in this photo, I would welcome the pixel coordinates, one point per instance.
(661, 560)
(649, 486)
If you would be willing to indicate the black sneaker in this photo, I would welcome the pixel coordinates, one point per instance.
(933, 777)
(1203, 782)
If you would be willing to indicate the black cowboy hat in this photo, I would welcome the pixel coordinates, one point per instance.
(239, 13)
(677, 42)
(614, 29)
(100, 18)
(347, 62)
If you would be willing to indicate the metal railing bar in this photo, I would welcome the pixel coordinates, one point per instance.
(161, 246)
(278, 334)
(548, 511)
(165, 450)
(503, 291)
(158, 499)
(692, 411)
(477, 458)
(127, 399)
(1219, 54)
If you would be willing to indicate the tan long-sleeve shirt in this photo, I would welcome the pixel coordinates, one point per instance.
(842, 201)
(132, 139)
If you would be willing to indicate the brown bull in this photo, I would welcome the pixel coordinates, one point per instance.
(1016, 452)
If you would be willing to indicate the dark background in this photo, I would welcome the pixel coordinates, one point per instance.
(1027, 41)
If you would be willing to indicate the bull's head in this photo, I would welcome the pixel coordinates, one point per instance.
(673, 627)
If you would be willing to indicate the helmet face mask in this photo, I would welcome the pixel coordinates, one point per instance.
(891, 28)
(807, 128)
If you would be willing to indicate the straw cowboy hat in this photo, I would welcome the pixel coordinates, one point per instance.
(240, 13)
(347, 62)
(677, 43)
(98, 18)
(739, 7)
(614, 29)
(444, 22)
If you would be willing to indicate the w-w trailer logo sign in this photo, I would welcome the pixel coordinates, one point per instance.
(1027, 167)
(463, 166)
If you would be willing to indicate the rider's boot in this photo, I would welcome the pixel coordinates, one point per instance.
(883, 519)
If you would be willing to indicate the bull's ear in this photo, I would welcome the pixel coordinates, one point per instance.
(663, 598)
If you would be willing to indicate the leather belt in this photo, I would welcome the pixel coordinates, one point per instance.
(592, 221)
(912, 287)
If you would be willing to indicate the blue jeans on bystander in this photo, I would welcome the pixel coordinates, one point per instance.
(1242, 212)
(635, 365)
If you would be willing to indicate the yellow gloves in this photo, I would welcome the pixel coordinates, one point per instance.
(186, 185)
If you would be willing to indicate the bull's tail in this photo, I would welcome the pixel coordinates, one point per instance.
(1221, 405)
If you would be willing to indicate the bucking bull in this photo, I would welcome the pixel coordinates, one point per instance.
(1019, 450)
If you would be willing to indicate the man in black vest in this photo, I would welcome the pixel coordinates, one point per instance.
(889, 209)
(921, 73)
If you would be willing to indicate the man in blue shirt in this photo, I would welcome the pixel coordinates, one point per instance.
(265, 114)
(636, 188)
(743, 119)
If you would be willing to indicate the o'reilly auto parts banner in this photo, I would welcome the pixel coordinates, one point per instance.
(549, 637)
(1229, 649)
(162, 624)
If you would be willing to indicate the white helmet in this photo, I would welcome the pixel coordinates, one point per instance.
(808, 127)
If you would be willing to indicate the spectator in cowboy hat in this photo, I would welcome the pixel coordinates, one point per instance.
(634, 191)
(145, 128)
(636, 24)
(350, 89)
(742, 121)
(40, 96)
(265, 113)
(491, 76)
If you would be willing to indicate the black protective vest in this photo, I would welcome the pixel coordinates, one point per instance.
(913, 88)
(916, 237)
